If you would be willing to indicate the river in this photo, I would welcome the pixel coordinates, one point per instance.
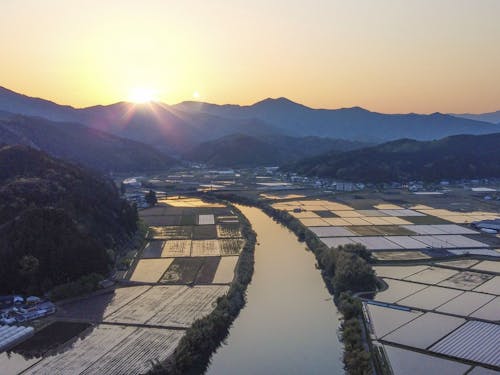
(290, 323)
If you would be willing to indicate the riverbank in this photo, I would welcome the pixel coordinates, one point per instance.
(289, 324)
(344, 273)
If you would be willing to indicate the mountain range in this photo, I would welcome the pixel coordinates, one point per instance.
(185, 129)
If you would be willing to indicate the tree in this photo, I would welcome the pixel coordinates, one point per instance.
(28, 265)
(151, 198)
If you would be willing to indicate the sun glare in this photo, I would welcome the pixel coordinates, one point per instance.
(143, 95)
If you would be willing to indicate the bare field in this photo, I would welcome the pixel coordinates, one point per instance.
(170, 305)
(110, 349)
(83, 353)
(205, 248)
(150, 270)
(208, 269)
(134, 355)
(204, 232)
(95, 308)
(183, 270)
(225, 271)
(176, 248)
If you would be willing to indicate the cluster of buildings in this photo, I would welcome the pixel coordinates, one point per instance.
(16, 309)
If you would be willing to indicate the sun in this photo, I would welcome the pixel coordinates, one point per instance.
(142, 95)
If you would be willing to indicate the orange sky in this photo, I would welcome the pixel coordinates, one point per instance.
(384, 55)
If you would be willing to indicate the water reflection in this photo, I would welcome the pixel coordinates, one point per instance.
(289, 325)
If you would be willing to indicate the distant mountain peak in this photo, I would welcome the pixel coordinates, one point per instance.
(277, 101)
(354, 109)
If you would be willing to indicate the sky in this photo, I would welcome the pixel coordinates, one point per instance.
(393, 56)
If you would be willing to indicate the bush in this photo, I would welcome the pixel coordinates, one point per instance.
(84, 285)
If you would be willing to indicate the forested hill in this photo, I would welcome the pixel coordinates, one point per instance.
(81, 144)
(240, 150)
(57, 221)
(455, 157)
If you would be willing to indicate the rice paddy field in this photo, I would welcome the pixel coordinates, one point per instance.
(441, 286)
(205, 248)
(176, 248)
(228, 230)
(110, 349)
(433, 284)
(191, 270)
(437, 305)
(169, 306)
(231, 246)
(98, 307)
(405, 362)
(131, 327)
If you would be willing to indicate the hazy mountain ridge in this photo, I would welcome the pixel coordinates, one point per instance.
(348, 123)
(80, 144)
(454, 157)
(243, 150)
(182, 126)
(492, 117)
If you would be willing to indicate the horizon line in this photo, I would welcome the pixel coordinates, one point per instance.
(245, 105)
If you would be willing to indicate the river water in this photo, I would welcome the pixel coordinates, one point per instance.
(289, 324)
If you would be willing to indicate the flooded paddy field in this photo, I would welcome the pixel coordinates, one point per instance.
(440, 289)
(404, 362)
